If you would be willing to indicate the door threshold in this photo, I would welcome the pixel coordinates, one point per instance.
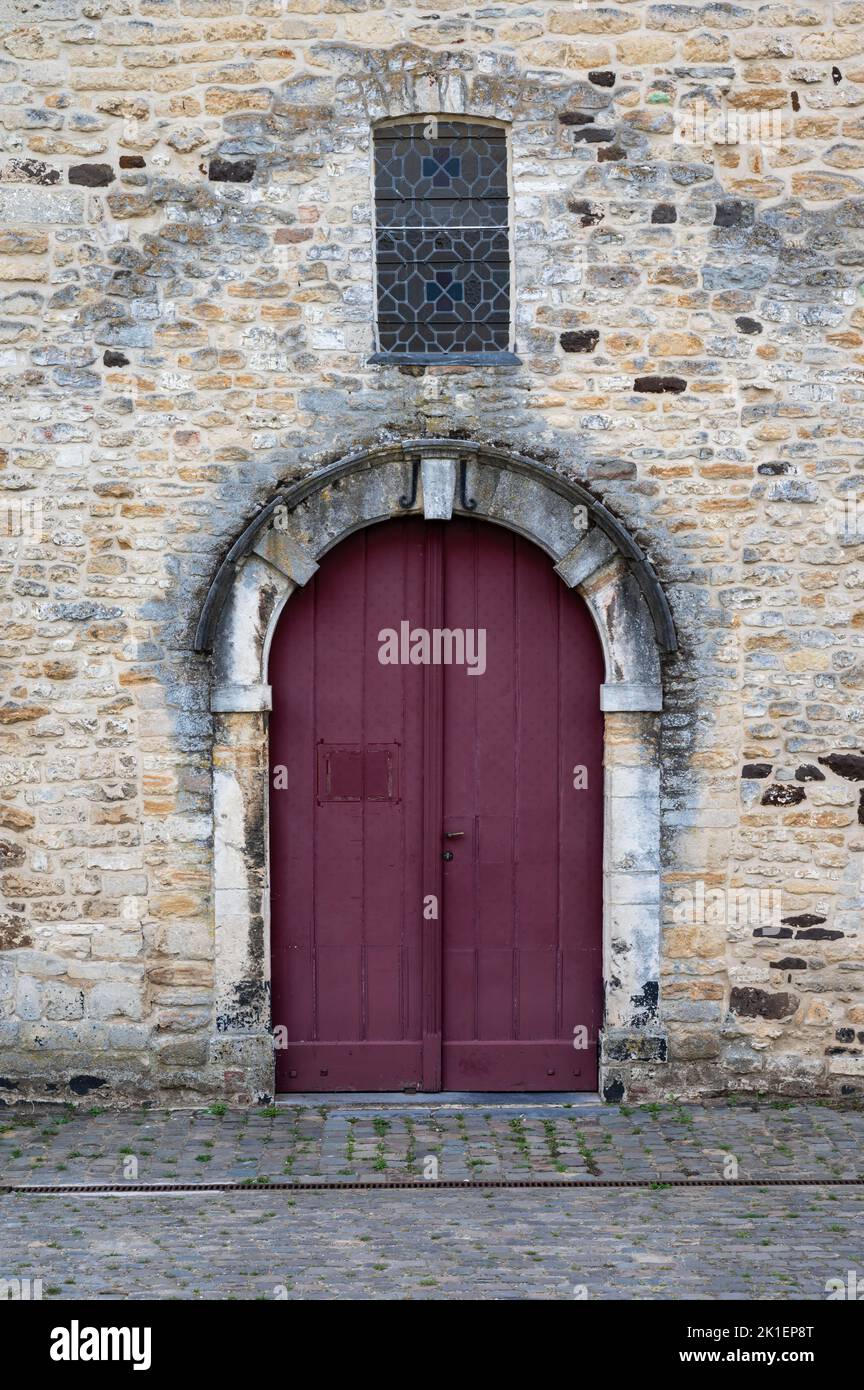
(501, 1100)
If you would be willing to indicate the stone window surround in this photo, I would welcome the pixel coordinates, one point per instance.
(436, 479)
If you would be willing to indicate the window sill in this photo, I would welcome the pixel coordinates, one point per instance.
(449, 359)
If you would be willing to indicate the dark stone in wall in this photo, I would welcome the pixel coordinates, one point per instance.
(91, 175)
(580, 342)
(82, 1085)
(804, 919)
(660, 383)
(32, 171)
(644, 1049)
(588, 212)
(613, 1091)
(734, 213)
(808, 773)
(231, 170)
(758, 1003)
(789, 963)
(773, 470)
(818, 934)
(575, 118)
(845, 1035)
(778, 795)
(114, 359)
(645, 1004)
(593, 135)
(602, 79)
(848, 765)
(747, 325)
(664, 212)
(756, 770)
(611, 154)
(132, 161)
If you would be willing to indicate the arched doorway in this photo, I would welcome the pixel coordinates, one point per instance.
(436, 809)
(270, 565)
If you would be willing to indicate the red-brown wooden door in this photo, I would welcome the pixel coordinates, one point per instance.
(435, 875)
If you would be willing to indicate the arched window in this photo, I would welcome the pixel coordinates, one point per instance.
(442, 238)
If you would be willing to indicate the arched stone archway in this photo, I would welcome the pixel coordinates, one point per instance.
(279, 552)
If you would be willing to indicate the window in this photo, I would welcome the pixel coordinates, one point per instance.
(442, 238)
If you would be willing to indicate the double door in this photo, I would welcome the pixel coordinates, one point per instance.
(436, 819)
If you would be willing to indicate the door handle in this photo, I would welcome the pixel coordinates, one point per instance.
(453, 834)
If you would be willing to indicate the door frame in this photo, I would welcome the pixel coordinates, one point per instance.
(277, 553)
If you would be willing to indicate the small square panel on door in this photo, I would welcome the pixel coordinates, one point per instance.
(352, 772)
(340, 772)
(382, 772)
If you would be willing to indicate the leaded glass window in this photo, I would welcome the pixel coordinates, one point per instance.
(443, 241)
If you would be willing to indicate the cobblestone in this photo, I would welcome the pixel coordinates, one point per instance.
(773, 1244)
(335, 1140)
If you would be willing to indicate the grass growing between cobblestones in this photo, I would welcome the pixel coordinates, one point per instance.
(653, 1143)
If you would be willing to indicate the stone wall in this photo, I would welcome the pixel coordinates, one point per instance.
(186, 323)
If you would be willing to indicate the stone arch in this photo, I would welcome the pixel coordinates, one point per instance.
(592, 552)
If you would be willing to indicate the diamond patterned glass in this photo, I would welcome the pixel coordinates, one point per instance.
(443, 243)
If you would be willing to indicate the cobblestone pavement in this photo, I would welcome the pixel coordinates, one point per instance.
(647, 1243)
(334, 1140)
(709, 1243)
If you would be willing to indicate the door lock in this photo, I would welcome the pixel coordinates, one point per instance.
(447, 855)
